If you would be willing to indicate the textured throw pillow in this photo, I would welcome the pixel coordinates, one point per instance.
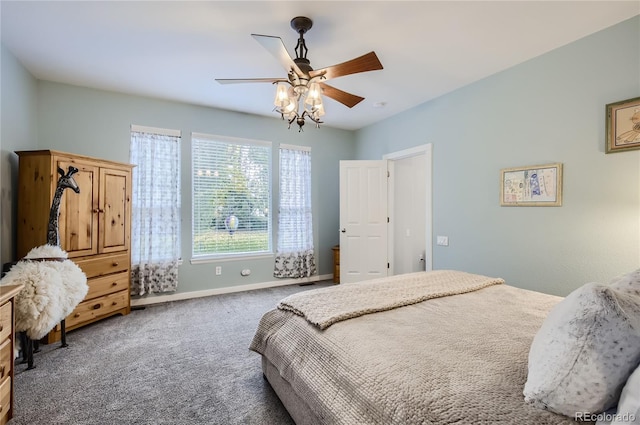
(629, 283)
(629, 404)
(584, 352)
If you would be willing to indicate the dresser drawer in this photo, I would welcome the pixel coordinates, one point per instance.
(5, 399)
(6, 321)
(107, 284)
(104, 264)
(91, 309)
(6, 358)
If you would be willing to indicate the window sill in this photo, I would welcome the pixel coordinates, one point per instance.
(239, 257)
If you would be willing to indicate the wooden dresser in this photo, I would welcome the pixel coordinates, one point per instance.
(7, 321)
(94, 226)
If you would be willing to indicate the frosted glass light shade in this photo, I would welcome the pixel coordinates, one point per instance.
(282, 97)
(313, 97)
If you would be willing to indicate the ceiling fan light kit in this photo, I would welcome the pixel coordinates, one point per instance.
(299, 95)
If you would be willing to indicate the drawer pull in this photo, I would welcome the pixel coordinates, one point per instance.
(76, 315)
(1, 328)
(2, 371)
(97, 306)
(115, 264)
(114, 303)
(114, 284)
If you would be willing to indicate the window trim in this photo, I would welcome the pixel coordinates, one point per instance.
(156, 130)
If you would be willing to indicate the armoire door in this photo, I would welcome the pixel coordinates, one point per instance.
(78, 221)
(115, 202)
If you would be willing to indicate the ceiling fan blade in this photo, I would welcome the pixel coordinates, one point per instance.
(364, 63)
(347, 99)
(275, 46)
(250, 80)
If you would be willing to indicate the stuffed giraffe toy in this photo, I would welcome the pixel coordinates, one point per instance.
(65, 181)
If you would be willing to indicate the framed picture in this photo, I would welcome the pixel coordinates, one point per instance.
(534, 186)
(623, 125)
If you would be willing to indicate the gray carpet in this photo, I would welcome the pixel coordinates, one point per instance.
(183, 362)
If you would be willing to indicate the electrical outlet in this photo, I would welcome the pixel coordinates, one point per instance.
(442, 240)
(218, 270)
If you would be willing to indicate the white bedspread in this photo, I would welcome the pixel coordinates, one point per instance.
(458, 359)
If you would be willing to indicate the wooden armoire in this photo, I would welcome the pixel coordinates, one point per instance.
(94, 226)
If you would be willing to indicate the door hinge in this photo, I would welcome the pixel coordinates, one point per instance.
(387, 219)
(388, 265)
(388, 174)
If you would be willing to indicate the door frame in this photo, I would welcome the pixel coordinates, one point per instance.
(427, 150)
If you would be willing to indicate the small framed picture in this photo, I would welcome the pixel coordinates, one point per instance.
(533, 186)
(623, 125)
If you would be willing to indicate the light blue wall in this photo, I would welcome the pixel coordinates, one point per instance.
(18, 109)
(549, 109)
(97, 123)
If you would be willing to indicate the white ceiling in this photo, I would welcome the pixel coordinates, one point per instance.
(174, 49)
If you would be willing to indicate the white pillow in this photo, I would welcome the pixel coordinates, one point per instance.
(629, 283)
(629, 404)
(584, 352)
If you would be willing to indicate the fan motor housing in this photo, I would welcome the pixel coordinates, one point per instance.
(301, 24)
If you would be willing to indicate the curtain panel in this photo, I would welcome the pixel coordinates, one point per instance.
(294, 254)
(155, 224)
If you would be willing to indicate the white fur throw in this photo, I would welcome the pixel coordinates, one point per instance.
(584, 352)
(52, 289)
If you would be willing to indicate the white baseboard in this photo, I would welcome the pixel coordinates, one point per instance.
(156, 299)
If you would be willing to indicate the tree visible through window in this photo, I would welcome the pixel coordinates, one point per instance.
(231, 196)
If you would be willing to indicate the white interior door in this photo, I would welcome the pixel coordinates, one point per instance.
(363, 220)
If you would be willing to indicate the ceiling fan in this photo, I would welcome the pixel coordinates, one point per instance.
(302, 81)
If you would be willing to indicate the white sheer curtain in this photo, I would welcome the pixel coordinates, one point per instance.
(155, 224)
(294, 256)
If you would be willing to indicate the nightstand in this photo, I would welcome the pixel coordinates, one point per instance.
(336, 264)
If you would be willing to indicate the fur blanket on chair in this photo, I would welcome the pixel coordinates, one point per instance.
(52, 289)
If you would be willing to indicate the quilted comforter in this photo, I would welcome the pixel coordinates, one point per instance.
(456, 359)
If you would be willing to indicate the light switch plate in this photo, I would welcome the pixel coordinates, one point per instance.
(442, 240)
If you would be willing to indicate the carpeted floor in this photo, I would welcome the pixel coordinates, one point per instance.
(179, 363)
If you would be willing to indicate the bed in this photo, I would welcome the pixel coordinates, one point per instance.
(440, 347)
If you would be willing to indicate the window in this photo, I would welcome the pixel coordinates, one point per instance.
(155, 208)
(295, 256)
(231, 196)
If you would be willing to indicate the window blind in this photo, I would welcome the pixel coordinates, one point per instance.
(231, 196)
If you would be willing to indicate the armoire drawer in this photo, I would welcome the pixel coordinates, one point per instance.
(104, 285)
(104, 264)
(91, 309)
